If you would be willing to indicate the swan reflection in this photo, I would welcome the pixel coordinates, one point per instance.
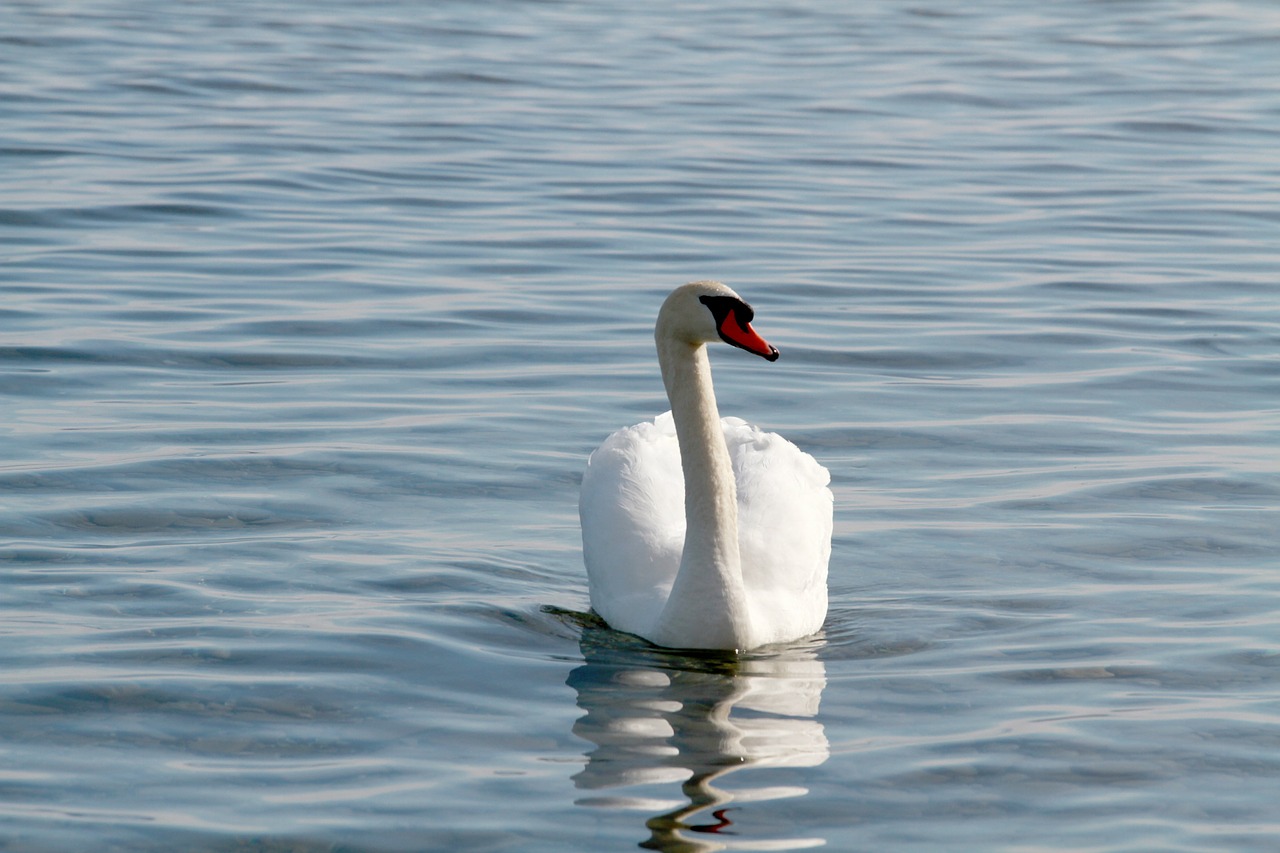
(658, 718)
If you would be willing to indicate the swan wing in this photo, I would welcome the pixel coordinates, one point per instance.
(785, 510)
(632, 514)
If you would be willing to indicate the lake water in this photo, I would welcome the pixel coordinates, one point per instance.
(313, 311)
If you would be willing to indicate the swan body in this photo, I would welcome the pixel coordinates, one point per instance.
(698, 531)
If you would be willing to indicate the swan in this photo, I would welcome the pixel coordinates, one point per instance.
(701, 532)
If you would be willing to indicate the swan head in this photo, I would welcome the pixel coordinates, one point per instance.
(702, 312)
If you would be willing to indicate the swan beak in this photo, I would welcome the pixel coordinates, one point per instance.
(742, 335)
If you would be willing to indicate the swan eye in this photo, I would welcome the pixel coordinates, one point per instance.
(722, 306)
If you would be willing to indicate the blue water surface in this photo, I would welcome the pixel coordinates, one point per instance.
(313, 311)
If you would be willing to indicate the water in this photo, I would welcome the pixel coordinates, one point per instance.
(313, 311)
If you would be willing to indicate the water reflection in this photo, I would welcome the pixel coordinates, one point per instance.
(658, 718)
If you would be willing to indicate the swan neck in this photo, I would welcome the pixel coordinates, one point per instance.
(708, 597)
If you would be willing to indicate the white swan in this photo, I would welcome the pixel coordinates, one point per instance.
(752, 569)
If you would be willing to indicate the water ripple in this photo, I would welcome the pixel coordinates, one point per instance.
(313, 313)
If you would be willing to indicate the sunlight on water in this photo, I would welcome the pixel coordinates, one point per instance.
(313, 314)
